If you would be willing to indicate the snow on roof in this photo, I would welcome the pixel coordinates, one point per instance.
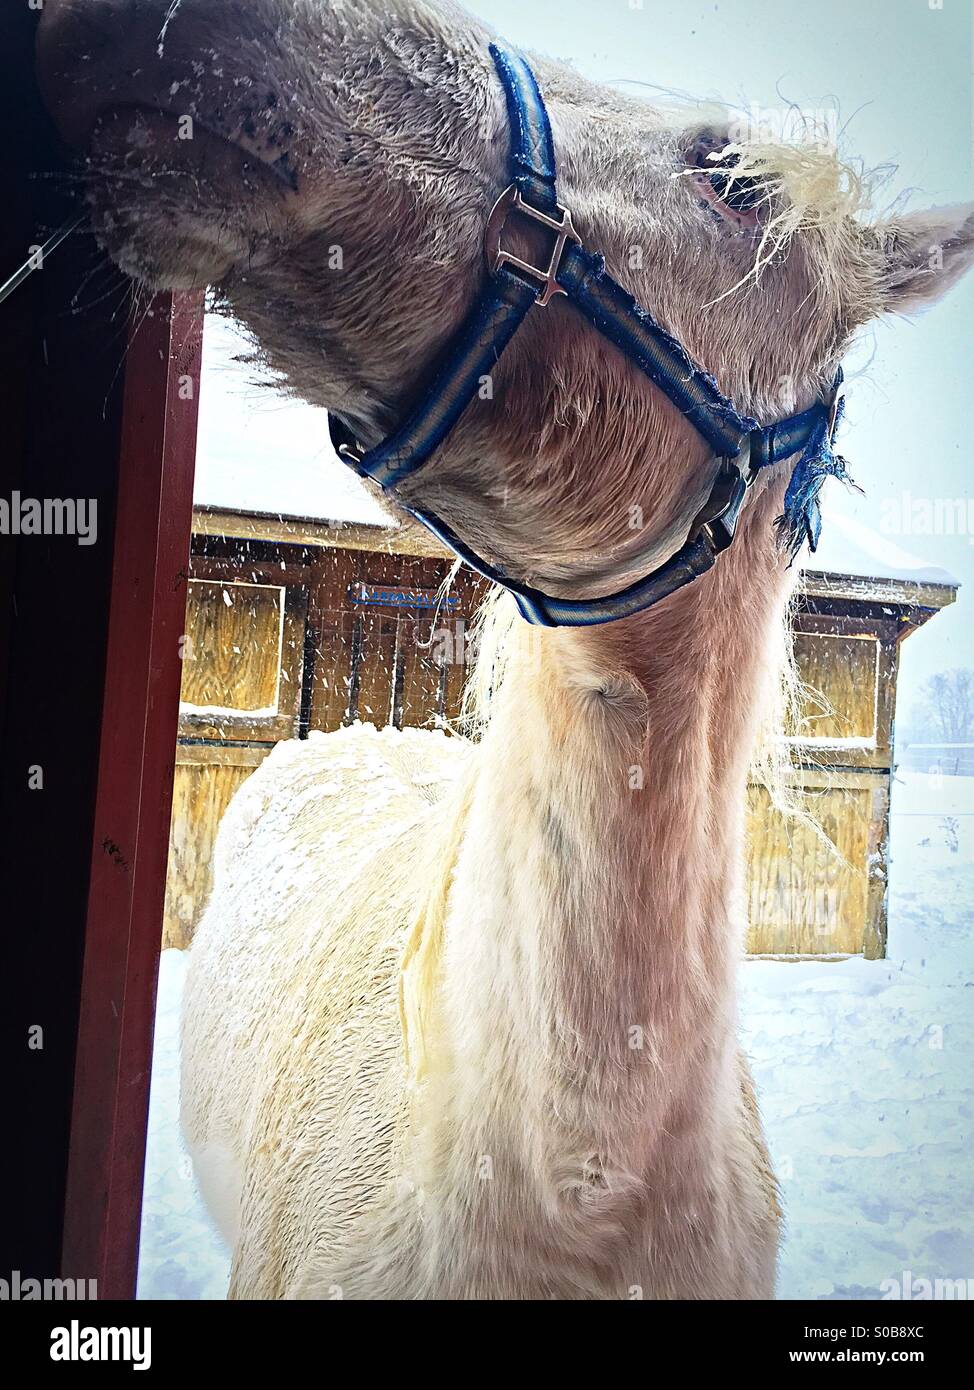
(849, 546)
(261, 452)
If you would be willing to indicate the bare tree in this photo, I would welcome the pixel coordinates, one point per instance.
(947, 705)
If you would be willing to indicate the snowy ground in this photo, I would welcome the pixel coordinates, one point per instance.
(865, 1071)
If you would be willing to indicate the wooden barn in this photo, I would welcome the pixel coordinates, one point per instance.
(300, 623)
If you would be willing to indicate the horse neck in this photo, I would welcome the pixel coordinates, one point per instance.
(594, 920)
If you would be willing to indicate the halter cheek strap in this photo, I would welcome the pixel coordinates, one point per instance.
(514, 287)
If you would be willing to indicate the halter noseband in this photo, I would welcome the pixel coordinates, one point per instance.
(514, 287)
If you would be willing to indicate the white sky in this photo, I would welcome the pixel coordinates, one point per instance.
(900, 72)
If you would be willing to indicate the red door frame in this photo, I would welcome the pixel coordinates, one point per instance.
(134, 797)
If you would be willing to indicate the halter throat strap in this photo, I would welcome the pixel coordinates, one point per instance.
(512, 288)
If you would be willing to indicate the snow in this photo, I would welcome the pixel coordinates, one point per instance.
(181, 1254)
(848, 546)
(865, 1071)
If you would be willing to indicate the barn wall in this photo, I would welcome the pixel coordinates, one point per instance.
(280, 642)
(205, 781)
(817, 881)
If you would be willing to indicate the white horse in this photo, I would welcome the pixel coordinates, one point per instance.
(460, 1019)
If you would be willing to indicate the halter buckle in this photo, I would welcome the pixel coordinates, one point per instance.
(717, 518)
(561, 226)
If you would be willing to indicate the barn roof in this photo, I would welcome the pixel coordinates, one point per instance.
(849, 546)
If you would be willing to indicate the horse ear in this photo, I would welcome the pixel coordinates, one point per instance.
(922, 255)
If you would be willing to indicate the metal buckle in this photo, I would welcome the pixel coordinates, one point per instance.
(511, 201)
(353, 452)
(717, 518)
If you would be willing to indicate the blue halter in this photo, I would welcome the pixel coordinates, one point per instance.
(512, 289)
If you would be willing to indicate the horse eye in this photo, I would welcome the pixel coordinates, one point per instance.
(738, 197)
(741, 194)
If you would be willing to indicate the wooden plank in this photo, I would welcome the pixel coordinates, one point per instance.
(232, 650)
(293, 641)
(249, 570)
(840, 673)
(920, 599)
(390, 540)
(832, 957)
(877, 867)
(62, 369)
(418, 706)
(243, 660)
(135, 777)
(455, 656)
(850, 657)
(384, 642)
(816, 779)
(330, 629)
(220, 754)
(375, 661)
(332, 689)
(886, 679)
(333, 632)
(812, 893)
(201, 794)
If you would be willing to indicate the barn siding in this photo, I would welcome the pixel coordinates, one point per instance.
(203, 787)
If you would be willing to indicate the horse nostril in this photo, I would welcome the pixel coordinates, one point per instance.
(71, 38)
(88, 52)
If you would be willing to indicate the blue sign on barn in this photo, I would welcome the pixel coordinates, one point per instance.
(392, 596)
